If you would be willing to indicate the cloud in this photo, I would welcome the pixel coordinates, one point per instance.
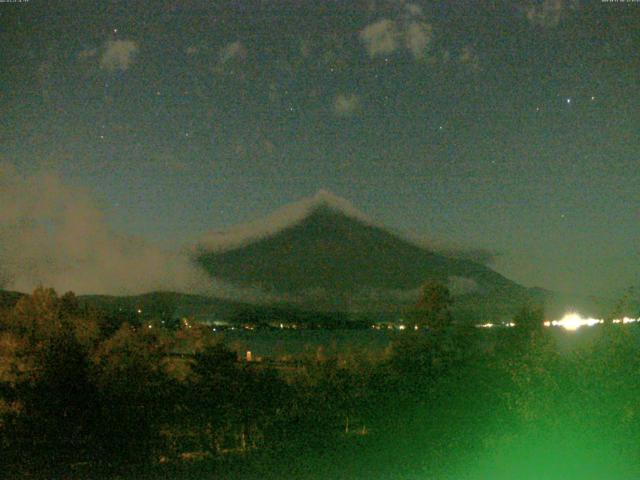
(547, 14)
(413, 9)
(450, 248)
(229, 57)
(55, 235)
(282, 218)
(292, 214)
(268, 146)
(380, 38)
(231, 51)
(274, 92)
(88, 53)
(417, 38)
(469, 58)
(386, 36)
(345, 105)
(118, 55)
(305, 48)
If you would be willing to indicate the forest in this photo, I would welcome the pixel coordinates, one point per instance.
(82, 398)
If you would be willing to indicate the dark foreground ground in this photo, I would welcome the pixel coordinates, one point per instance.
(81, 401)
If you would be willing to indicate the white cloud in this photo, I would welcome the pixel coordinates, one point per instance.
(268, 146)
(284, 217)
(345, 105)
(54, 234)
(274, 92)
(380, 38)
(413, 9)
(232, 51)
(88, 53)
(118, 55)
(292, 214)
(417, 38)
(548, 14)
(469, 57)
(384, 37)
(305, 48)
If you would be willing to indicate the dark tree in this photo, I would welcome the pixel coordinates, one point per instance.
(434, 306)
(529, 318)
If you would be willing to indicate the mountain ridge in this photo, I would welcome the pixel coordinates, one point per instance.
(326, 258)
(293, 213)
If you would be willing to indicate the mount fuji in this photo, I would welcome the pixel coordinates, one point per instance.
(323, 254)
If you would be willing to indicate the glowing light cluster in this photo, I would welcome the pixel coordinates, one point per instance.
(626, 320)
(573, 321)
(485, 325)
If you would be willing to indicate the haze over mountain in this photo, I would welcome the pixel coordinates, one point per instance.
(323, 253)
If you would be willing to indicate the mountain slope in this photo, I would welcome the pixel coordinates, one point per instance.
(334, 259)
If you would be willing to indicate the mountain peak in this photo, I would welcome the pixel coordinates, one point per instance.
(283, 218)
(323, 253)
(323, 202)
(326, 199)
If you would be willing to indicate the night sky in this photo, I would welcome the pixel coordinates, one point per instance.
(509, 126)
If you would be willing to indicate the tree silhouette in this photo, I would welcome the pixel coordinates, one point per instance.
(128, 372)
(45, 379)
(434, 306)
(529, 319)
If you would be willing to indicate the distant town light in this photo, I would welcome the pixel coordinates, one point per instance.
(572, 321)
